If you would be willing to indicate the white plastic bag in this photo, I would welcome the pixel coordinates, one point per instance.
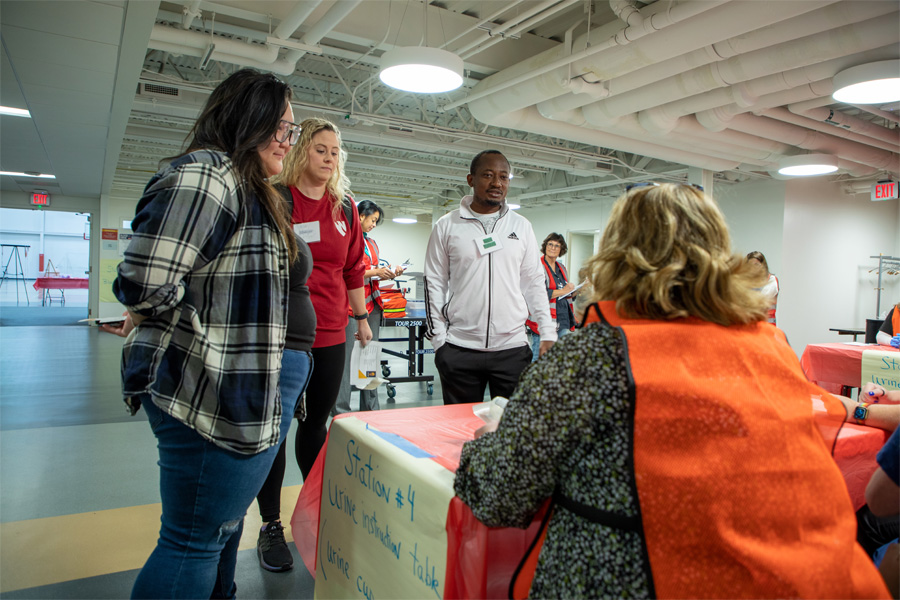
(365, 363)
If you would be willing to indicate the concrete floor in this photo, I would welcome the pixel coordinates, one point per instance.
(79, 498)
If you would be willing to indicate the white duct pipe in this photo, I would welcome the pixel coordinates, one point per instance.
(718, 119)
(530, 120)
(627, 11)
(526, 26)
(547, 73)
(498, 32)
(484, 21)
(814, 140)
(828, 120)
(191, 12)
(256, 55)
(811, 50)
(768, 34)
(877, 112)
(665, 117)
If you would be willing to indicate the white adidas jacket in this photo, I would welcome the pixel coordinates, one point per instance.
(480, 301)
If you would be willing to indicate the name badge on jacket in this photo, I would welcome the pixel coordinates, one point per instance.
(309, 232)
(488, 243)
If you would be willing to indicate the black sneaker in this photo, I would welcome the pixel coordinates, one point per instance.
(274, 554)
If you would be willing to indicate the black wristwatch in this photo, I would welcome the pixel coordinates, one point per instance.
(361, 317)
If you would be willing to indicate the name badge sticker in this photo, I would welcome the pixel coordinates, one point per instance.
(309, 232)
(488, 243)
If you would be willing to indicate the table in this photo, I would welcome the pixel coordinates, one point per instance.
(414, 321)
(414, 453)
(849, 331)
(835, 367)
(59, 283)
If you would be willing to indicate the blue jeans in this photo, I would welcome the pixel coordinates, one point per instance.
(536, 342)
(205, 492)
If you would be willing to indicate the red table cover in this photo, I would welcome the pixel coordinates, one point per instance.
(61, 283)
(441, 431)
(834, 365)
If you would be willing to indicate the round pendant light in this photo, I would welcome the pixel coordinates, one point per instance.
(405, 219)
(808, 165)
(872, 83)
(421, 70)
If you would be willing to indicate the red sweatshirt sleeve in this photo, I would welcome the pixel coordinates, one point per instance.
(354, 267)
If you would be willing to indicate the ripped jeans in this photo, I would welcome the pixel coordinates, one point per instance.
(206, 491)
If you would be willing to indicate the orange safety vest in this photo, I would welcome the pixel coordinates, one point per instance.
(738, 493)
(532, 325)
(895, 321)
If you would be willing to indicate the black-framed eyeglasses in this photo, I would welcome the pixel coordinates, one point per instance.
(287, 131)
(631, 186)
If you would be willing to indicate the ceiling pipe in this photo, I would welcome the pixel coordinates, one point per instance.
(627, 10)
(258, 55)
(877, 112)
(755, 66)
(768, 34)
(828, 120)
(814, 140)
(663, 118)
(484, 21)
(519, 28)
(190, 12)
(548, 71)
(530, 120)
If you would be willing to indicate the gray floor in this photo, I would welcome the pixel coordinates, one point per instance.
(68, 447)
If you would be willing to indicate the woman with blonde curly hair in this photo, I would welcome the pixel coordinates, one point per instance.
(314, 185)
(673, 434)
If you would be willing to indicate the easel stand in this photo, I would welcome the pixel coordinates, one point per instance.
(18, 269)
(47, 297)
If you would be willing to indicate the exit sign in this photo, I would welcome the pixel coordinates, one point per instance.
(885, 190)
(40, 198)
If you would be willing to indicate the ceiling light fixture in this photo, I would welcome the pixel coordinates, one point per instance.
(421, 70)
(513, 206)
(14, 112)
(28, 174)
(808, 165)
(406, 219)
(872, 83)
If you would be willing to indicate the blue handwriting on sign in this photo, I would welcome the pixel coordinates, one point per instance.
(374, 528)
(333, 556)
(363, 587)
(890, 363)
(410, 499)
(425, 572)
(364, 472)
(341, 500)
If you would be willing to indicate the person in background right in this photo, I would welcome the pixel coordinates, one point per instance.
(770, 289)
(674, 433)
(883, 499)
(370, 216)
(889, 333)
(559, 290)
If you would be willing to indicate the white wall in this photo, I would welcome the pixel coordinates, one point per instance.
(828, 239)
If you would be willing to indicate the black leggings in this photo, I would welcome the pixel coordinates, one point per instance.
(321, 394)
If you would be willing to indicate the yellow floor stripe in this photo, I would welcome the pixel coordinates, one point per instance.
(56, 549)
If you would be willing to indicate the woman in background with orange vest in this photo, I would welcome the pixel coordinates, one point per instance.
(674, 434)
(370, 216)
(556, 279)
(889, 332)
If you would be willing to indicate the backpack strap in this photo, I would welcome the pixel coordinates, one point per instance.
(348, 209)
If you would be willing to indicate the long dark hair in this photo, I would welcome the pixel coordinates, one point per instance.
(242, 114)
(367, 207)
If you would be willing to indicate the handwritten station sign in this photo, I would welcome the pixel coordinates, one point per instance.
(383, 513)
(881, 367)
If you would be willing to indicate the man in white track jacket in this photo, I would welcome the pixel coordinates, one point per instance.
(482, 278)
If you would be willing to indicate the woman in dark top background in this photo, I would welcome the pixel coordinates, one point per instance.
(271, 547)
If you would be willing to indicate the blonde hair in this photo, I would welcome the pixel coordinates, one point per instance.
(298, 158)
(666, 254)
